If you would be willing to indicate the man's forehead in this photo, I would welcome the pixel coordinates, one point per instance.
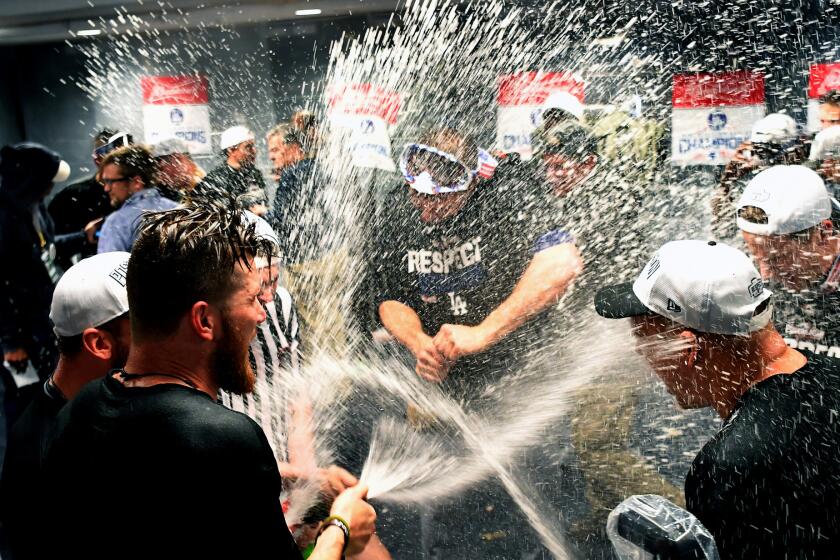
(111, 169)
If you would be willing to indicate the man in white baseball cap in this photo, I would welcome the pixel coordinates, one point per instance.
(774, 139)
(90, 317)
(238, 174)
(769, 480)
(176, 174)
(786, 218)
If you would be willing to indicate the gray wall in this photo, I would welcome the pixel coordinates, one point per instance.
(61, 94)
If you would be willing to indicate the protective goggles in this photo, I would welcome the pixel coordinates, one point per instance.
(119, 140)
(431, 171)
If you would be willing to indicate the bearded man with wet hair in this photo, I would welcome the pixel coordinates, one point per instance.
(174, 472)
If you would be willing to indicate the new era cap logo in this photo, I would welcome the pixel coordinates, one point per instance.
(672, 306)
(756, 287)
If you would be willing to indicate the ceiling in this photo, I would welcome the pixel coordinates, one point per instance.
(57, 20)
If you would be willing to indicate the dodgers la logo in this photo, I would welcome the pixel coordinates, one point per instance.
(717, 120)
(367, 126)
(176, 116)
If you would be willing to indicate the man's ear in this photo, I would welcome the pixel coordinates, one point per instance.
(98, 343)
(690, 348)
(137, 184)
(205, 320)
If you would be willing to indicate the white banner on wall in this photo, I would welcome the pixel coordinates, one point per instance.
(821, 79)
(177, 106)
(713, 115)
(367, 111)
(521, 100)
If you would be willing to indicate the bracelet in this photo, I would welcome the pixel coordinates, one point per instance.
(340, 523)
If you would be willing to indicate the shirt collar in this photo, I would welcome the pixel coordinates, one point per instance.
(141, 195)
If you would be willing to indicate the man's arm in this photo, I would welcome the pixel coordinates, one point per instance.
(404, 324)
(548, 275)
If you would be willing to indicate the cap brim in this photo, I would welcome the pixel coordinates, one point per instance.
(63, 172)
(618, 302)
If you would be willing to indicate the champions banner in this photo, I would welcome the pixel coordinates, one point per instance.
(367, 111)
(177, 106)
(713, 115)
(822, 79)
(521, 101)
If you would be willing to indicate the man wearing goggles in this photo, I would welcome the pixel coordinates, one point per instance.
(469, 264)
(466, 263)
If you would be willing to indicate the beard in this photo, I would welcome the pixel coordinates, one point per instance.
(230, 362)
(119, 356)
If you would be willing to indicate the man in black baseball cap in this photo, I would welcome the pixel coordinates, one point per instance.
(28, 274)
(769, 481)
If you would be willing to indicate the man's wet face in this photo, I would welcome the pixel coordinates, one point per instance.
(781, 257)
(436, 208)
(245, 153)
(116, 183)
(563, 173)
(829, 115)
(658, 340)
(241, 314)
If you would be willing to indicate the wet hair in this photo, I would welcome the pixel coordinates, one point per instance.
(71, 346)
(186, 255)
(756, 215)
(133, 161)
(284, 131)
(303, 131)
(831, 97)
(447, 138)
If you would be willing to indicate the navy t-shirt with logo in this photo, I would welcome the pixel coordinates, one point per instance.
(459, 270)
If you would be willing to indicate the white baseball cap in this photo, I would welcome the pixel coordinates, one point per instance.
(793, 197)
(564, 101)
(264, 230)
(169, 146)
(704, 285)
(235, 135)
(91, 293)
(777, 128)
(62, 173)
(826, 144)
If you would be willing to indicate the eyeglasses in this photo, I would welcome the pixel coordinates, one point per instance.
(109, 182)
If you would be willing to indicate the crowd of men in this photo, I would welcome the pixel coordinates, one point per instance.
(147, 305)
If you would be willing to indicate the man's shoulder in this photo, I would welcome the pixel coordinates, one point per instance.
(299, 171)
(776, 419)
(177, 414)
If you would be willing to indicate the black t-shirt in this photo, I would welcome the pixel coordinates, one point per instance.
(21, 497)
(810, 319)
(162, 472)
(768, 484)
(246, 182)
(459, 270)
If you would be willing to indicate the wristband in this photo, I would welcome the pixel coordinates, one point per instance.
(340, 523)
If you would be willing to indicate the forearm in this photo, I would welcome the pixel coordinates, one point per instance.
(402, 322)
(547, 277)
(330, 545)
